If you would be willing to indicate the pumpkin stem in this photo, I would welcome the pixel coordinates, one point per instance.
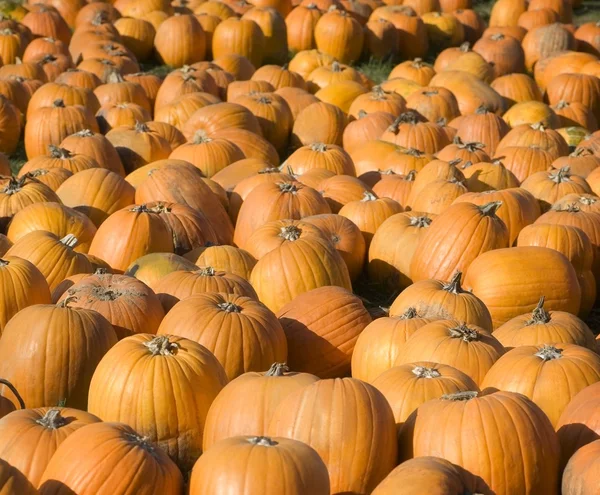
(65, 302)
(15, 185)
(549, 352)
(490, 209)
(362, 114)
(15, 392)
(467, 164)
(69, 240)
(114, 76)
(482, 110)
(4, 262)
(207, 271)
(200, 137)
(264, 100)
(319, 147)
(430, 92)
(454, 284)
(143, 208)
(465, 47)
(368, 196)
(52, 420)
(460, 396)
(563, 175)
(561, 105)
(538, 126)
(410, 176)
(277, 369)
(579, 151)
(160, 345)
(497, 37)
(59, 153)
(473, 146)
(336, 67)
(420, 221)
(229, 307)
(288, 187)
(58, 103)
(101, 17)
(414, 152)
(84, 133)
(587, 201)
(409, 314)
(539, 316)
(378, 93)
(290, 233)
(271, 170)
(141, 127)
(417, 63)
(262, 441)
(463, 332)
(424, 372)
(140, 441)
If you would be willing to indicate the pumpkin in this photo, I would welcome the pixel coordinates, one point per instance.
(97, 193)
(341, 190)
(503, 53)
(55, 218)
(224, 258)
(150, 268)
(585, 202)
(221, 116)
(240, 37)
(407, 386)
(273, 27)
(319, 122)
(393, 247)
(488, 176)
(575, 114)
(59, 158)
(300, 25)
(434, 170)
(232, 413)
(467, 152)
(346, 238)
(524, 161)
(157, 471)
(434, 103)
(341, 94)
(95, 146)
(436, 299)
(297, 99)
(494, 269)
(120, 114)
(544, 41)
(382, 155)
(408, 132)
(128, 304)
(178, 111)
(279, 77)
(395, 186)
(575, 88)
(443, 29)
(516, 88)
(473, 24)
(118, 90)
(549, 187)
(178, 364)
(377, 101)
(339, 35)
(381, 39)
(179, 41)
(515, 473)
(182, 81)
(483, 127)
(564, 63)
(16, 194)
(149, 82)
(9, 132)
(252, 145)
(44, 21)
(306, 61)
(430, 474)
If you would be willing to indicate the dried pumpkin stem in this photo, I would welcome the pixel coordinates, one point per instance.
(539, 316)
(229, 307)
(490, 209)
(409, 314)
(424, 372)
(463, 332)
(277, 369)
(262, 441)
(65, 302)
(290, 233)
(319, 147)
(161, 345)
(70, 241)
(368, 196)
(52, 420)
(207, 271)
(549, 352)
(420, 221)
(454, 284)
(460, 396)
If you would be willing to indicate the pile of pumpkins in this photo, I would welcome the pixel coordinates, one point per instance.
(180, 256)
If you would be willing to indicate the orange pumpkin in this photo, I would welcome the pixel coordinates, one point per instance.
(339, 35)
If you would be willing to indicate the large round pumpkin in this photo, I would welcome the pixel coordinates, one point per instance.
(510, 281)
(321, 327)
(357, 458)
(128, 304)
(31, 436)
(99, 459)
(581, 473)
(150, 268)
(238, 464)
(145, 378)
(468, 429)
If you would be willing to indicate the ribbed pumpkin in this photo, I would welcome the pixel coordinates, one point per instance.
(516, 88)
(16, 194)
(585, 202)
(436, 299)
(497, 268)
(130, 233)
(409, 132)
(273, 27)
(468, 348)
(75, 340)
(180, 40)
(59, 158)
(484, 127)
(53, 256)
(537, 135)
(301, 470)
(246, 405)
(528, 464)
(434, 103)
(55, 218)
(339, 35)
(300, 24)
(377, 101)
(466, 151)
(549, 374)
(575, 114)
(150, 268)
(393, 247)
(491, 175)
(95, 146)
(409, 385)
(330, 401)
(380, 342)
(23, 285)
(128, 304)
(549, 187)
(114, 115)
(326, 320)
(241, 37)
(319, 123)
(97, 193)
(524, 161)
(32, 436)
(242, 334)
(581, 162)
(224, 258)
(91, 468)
(176, 364)
(322, 156)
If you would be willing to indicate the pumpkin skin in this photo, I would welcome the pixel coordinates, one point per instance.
(55, 218)
(319, 123)
(339, 35)
(128, 304)
(581, 471)
(524, 161)
(326, 320)
(97, 193)
(52, 256)
(106, 470)
(224, 258)
(95, 146)
(393, 247)
(301, 470)
(470, 349)
(13, 482)
(455, 238)
(150, 268)
(516, 88)
(537, 135)
(22, 285)
(31, 436)
(443, 300)
(549, 375)
(309, 415)
(549, 187)
(428, 475)
(530, 462)
(177, 364)
(242, 334)
(409, 385)
(496, 269)
(240, 37)
(75, 340)
(129, 234)
(180, 40)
